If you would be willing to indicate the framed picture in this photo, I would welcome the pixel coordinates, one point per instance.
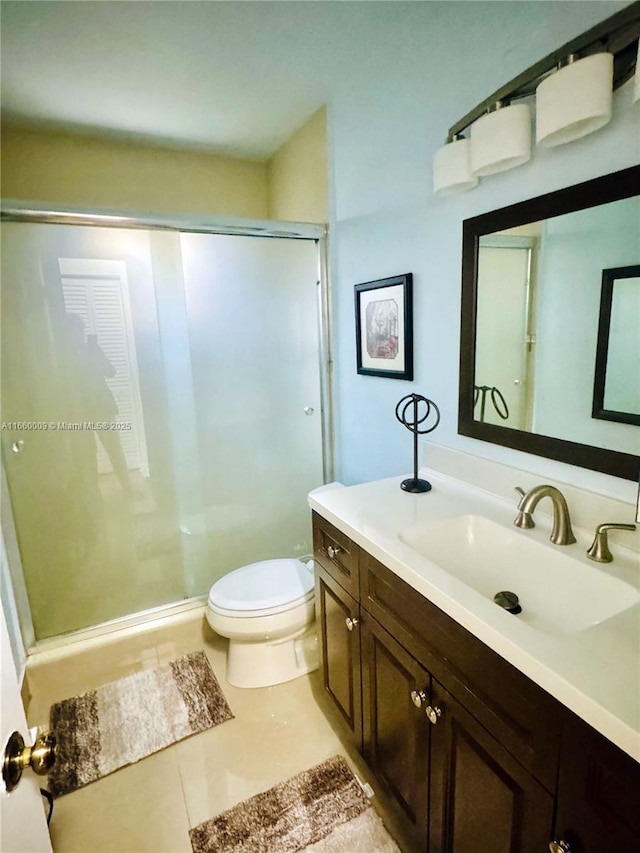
(384, 327)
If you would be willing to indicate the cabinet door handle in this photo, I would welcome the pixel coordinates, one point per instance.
(433, 714)
(559, 847)
(333, 552)
(350, 623)
(418, 697)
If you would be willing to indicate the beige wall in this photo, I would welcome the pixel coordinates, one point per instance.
(73, 170)
(97, 172)
(297, 174)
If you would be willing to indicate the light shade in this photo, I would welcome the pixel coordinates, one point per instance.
(501, 140)
(636, 82)
(452, 168)
(574, 101)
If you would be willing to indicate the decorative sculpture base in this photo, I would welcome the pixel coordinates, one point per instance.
(415, 485)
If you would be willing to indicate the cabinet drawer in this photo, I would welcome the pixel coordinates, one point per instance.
(336, 553)
(522, 716)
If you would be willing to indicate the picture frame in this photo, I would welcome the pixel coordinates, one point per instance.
(384, 327)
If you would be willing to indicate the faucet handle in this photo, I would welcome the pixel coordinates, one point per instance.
(523, 520)
(599, 549)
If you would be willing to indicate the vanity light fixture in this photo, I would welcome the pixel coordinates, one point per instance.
(501, 139)
(452, 167)
(572, 88)
(574, 101)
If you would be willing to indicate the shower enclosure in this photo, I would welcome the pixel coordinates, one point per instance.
(164, 408)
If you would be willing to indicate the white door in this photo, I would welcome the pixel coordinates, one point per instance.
(23, 825)
(503, 342)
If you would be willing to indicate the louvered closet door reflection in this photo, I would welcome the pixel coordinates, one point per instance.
(96, 290)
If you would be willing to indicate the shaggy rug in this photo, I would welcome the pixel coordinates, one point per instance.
(322, 810)
(120, 723)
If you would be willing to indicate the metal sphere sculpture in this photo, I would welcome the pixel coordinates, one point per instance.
(412, 422)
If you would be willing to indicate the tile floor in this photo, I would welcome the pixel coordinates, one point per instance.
(150, 806)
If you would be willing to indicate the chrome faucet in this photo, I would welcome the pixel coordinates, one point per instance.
(561, 534)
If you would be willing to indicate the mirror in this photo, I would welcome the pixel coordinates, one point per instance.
(532, 277)
(616, 386)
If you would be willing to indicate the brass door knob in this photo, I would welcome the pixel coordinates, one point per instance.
(351, 623)
(559, 847)
(40, 757)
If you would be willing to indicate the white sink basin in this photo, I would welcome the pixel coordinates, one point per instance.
(558, 593)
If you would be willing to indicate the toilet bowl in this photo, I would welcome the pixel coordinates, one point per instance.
(267, 612)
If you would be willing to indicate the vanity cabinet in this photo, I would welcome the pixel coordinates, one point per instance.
(478, 757)
(452, 732)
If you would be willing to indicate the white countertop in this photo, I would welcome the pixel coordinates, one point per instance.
(595, 672)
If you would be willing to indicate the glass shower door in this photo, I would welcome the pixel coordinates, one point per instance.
(161, 412)
(89, 470)
(252, 317)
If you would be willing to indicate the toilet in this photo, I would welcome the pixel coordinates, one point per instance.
(267, 611)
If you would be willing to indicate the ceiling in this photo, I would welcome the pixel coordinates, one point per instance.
(238, 77)
(233, 77)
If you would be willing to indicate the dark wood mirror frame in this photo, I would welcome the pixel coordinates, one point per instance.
(613, 187)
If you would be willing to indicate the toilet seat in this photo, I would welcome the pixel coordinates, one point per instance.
(262, 589)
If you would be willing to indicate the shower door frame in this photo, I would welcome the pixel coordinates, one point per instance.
(12, 210)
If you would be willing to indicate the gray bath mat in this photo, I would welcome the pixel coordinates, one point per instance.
(322, 810)
(129, 719)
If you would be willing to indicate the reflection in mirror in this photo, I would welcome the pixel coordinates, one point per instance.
(616, 388)
(504, 345)
(530, 305)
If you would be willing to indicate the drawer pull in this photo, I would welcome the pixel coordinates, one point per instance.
(418, 697)
(433, 714)
(350, 623)
(559, 847)
(333, 552)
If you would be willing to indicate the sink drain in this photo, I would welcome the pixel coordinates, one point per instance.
(508, 600)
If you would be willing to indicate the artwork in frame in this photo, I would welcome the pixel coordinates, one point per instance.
(384, 327)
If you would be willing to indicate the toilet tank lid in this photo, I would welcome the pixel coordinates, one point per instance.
(269, 583)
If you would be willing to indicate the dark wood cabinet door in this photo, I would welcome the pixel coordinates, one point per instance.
(481, 799)
(598, 793)
(339, 630)
(396, 731)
